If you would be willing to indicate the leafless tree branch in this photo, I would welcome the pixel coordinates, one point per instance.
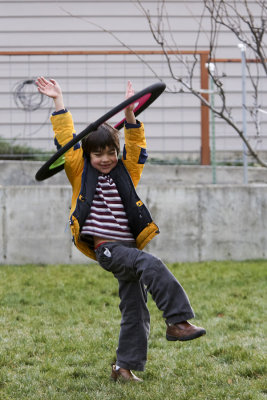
(226, 14)
(223, 13)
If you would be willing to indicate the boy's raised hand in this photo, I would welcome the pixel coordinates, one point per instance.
(50, 88)
(129, 114)
(129, 93)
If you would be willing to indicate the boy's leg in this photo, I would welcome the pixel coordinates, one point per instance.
(165, 289)
(135, 325)
(135, 322)
(169, 296)
(127, 262)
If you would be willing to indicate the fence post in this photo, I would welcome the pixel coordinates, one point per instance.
(205, 119)
(242, 47)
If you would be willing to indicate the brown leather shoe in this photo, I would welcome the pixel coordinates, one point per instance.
(124, 375)
(183, 331)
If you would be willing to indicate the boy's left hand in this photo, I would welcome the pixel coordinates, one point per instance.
(129, 114)
(129, 93)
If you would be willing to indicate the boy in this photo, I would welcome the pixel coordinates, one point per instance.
(110, 223)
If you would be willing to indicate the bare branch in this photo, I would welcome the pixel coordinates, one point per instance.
(232, 19)
(222, 14)
(116, 38)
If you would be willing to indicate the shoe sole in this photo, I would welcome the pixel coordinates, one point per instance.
(185, 338)
(118, 378)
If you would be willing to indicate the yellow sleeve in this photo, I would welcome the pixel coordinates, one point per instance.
(134, 152)
(64, 132)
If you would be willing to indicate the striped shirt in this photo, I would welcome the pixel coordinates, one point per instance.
(107, 216)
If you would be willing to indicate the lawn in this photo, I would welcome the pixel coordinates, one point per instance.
(59, 326)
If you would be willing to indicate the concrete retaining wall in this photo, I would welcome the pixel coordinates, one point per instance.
(197, 222)
(23, 173)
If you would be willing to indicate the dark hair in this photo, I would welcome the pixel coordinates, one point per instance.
(104, 136)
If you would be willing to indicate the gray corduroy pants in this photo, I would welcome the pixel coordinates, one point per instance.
(137, 272)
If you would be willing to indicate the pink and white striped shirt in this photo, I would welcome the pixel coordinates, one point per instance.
(107, 216)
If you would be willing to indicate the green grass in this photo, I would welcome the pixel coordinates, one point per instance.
(59, 327)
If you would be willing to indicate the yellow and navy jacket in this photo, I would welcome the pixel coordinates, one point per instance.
(83, 178)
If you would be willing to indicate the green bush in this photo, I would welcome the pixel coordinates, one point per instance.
(10, 151)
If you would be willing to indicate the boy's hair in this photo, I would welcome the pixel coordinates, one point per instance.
(104, 136)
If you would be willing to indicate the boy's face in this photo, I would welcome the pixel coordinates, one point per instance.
(104, 160)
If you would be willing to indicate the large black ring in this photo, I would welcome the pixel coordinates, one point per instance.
(144, 98)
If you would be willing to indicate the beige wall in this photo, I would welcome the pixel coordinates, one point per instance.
(93, 84)
(76, 25)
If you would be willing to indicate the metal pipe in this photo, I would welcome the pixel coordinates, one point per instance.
(242, 47)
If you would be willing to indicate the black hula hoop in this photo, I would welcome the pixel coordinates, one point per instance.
(144, 98)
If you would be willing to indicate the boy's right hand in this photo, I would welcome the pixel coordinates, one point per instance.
(50, 88)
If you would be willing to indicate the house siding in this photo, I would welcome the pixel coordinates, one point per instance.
(92, 84)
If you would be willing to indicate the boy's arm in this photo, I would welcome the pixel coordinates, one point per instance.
(129, 114)
(134, 151)
(64, 132)
(63, 127)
